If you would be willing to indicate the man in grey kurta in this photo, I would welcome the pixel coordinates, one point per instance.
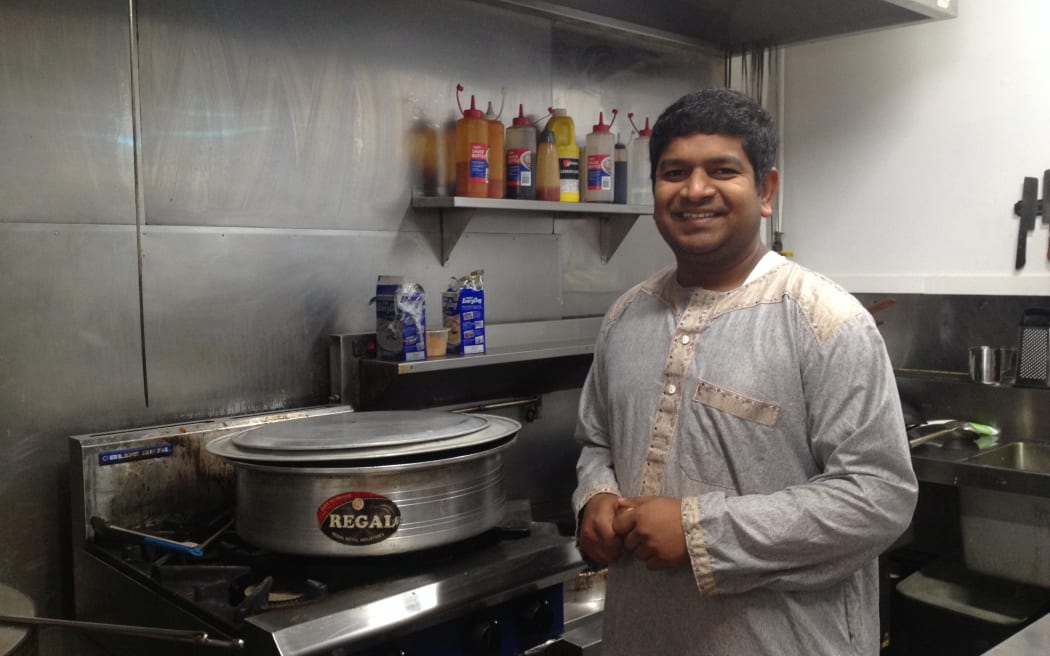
(742, 441)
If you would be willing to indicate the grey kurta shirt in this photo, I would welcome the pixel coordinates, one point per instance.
(773, 412)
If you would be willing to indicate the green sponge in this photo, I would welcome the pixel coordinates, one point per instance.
(985, 442)
(983, 429)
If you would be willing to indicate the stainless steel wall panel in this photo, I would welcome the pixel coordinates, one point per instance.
(596, 71)
(589, 287)
(934, 332)
(65, 112)
(237, 320)
(70, 330)
(541, 466)
(277, 114)
(69, 361)
(522, 275)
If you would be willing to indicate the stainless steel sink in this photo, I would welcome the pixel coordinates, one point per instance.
(1021, 456)
(1004, 499)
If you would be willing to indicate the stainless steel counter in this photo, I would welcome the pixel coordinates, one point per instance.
(1033, 640)
(948, 466)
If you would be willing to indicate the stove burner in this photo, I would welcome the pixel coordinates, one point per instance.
(278, 593)
(232, 580)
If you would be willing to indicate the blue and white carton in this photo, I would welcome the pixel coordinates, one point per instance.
(400, 320)
(463, 310)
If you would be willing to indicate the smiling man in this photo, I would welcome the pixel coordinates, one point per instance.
(743, 455)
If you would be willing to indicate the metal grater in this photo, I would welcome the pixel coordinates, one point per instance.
(1033, 358)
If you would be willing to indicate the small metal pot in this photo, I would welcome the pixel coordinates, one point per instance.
(372, 500)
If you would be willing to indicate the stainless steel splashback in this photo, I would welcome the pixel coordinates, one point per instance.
(928, 337)
(138, 477)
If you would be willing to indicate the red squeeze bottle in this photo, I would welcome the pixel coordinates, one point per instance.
(472, 151)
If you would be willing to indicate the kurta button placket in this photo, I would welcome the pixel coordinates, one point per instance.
(679, 357)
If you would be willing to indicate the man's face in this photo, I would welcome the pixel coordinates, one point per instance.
(706, 205)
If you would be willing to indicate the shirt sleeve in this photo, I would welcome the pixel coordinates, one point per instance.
(814, 534)
(595, 473)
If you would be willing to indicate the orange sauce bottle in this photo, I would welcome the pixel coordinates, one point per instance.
(472, 151)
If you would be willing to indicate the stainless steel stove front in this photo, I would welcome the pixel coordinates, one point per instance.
(501, 598)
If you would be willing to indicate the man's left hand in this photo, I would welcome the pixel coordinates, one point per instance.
(651, 528)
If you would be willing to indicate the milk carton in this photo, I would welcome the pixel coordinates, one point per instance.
(463, 308)
(400, 320)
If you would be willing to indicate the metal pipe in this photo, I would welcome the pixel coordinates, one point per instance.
(140, 201)
(502, 404)
(176, 635)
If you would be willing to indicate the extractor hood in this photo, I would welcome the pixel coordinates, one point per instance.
(736, 24)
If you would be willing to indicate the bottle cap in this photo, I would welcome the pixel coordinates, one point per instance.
(644, 132)
(547, 137)
(601, 127)
(472, 112)
(521, 119)
(490, 114)
(468, 113)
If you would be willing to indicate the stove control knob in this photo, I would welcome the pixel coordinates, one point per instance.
(537, 617)
(485, 638)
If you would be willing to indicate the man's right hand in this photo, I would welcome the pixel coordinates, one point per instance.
(597, 538)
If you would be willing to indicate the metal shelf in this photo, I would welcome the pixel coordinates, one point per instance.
(495, 355)
(358, 378)
(717, 25)
(457, 211)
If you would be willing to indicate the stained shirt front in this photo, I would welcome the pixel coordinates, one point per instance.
(772, 411)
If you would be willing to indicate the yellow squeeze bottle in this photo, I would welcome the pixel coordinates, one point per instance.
(564, 130)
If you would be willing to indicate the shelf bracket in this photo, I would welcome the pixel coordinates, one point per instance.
(453, 224)
(612, 231)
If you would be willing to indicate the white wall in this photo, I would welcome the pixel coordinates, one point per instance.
(905, 151)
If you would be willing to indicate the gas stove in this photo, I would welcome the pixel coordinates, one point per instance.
(141, 496)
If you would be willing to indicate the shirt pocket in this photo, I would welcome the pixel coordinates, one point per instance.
(723, 445)
(744, 407)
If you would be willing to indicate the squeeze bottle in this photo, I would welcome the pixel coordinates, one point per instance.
(472, 151)
(548, 183)
(564, 130)
(620, 172)
(640, 188)
(600, 164)
(497, 163)
(521, 157)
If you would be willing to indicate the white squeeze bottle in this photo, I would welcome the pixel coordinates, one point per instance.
(521, 157)
(640, 188)
(601, 164)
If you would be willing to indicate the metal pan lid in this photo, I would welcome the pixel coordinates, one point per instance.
(14, 603)
(359, 430)
(496, 428)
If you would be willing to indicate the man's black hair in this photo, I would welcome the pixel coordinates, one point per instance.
(718, 111)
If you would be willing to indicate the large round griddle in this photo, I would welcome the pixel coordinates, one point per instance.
(364, 436)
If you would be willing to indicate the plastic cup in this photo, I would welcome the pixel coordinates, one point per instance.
(437, 342)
